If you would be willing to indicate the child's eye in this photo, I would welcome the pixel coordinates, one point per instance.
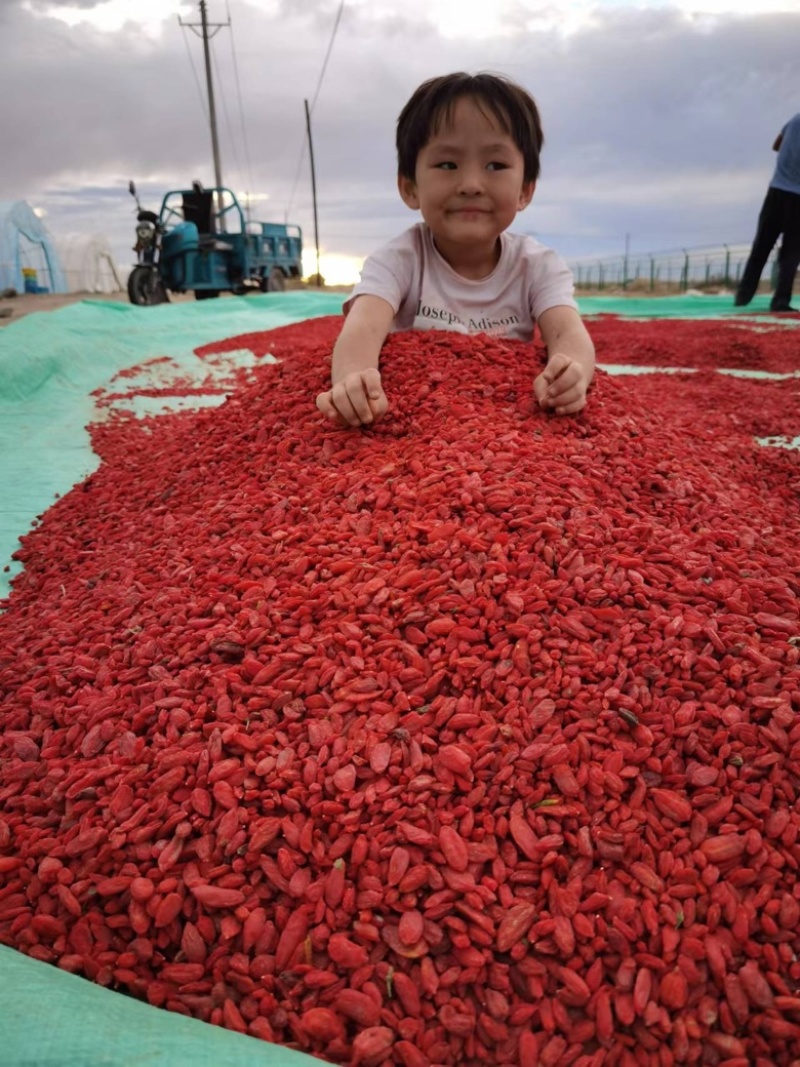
(497, 166)
(446, 164)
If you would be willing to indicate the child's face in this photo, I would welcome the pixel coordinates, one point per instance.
(469, 182)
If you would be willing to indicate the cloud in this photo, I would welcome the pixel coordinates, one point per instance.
(48, 5)
(657, 125)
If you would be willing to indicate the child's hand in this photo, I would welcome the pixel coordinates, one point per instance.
(562, 385)
(357, 400)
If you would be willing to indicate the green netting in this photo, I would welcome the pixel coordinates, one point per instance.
(54, 1019)
(692, 305)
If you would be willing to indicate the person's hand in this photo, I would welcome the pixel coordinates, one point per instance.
(357, 400)
(562, 385)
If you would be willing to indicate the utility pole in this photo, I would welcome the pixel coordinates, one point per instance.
(313, 188)
(204, 27)
(625, 262)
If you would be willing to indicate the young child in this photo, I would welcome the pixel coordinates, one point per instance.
(468, 159)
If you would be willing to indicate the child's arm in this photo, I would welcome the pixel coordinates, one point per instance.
(356, 396)
(562, 385)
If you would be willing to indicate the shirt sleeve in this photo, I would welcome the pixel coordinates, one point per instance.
(387, 273)
(553, 285)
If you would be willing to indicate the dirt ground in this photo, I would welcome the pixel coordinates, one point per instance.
(14, 308)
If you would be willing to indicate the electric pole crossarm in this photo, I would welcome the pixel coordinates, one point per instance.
(204, 27)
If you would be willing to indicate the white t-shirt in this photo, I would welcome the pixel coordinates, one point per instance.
(427, 294)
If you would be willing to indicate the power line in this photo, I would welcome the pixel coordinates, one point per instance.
(327, 55)
(241, 106)
(313, 102)
(203, 104)
(228, 123)
(296, 178)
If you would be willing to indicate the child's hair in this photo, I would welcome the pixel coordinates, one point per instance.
(432, 104)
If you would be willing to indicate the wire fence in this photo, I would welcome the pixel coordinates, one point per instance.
(663, 272)
(672, 271)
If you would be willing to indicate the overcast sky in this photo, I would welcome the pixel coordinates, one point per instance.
(658, 117)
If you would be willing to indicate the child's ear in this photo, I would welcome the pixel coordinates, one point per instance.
(526, 195)
(408, 192)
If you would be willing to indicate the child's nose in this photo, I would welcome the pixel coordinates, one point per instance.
(471, 180)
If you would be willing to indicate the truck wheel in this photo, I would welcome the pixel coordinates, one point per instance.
(276, 283)
(145, 287)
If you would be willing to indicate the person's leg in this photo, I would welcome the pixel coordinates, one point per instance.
(770, 222)
(788, 254)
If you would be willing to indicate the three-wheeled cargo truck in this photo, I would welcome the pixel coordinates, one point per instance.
(201, 242)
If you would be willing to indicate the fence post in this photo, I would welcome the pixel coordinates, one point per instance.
(685, 272)
(727, 267)
(652, 273)
(600, 279)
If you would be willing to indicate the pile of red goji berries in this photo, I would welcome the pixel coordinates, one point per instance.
(469, 739)
(698, 344)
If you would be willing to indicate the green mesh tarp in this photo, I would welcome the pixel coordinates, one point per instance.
(692, 305)
(53, 1019)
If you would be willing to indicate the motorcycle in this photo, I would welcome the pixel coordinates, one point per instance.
(145, 286)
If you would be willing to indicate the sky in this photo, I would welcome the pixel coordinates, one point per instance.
(658, 115)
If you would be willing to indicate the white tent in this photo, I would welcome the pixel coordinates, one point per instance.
(26, 244)
(88, 264)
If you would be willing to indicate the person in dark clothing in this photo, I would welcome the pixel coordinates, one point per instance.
(780, 215)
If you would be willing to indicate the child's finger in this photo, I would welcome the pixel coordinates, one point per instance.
(565, 383)
(540, 387)
(379, 405)
(325, 405)
(571, 396)
(328, 410)
(556, 366)
(372, 381)
(357, 396)
(376, 398)
(343, 405)
(572, 408)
